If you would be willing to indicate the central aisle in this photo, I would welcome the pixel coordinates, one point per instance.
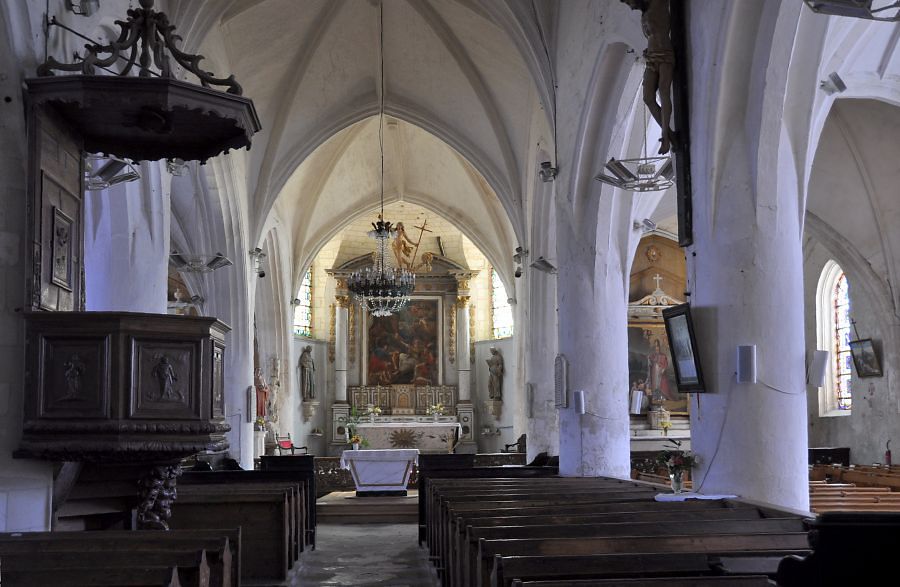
(365, 555)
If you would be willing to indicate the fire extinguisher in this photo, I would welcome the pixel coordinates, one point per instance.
(887, 454)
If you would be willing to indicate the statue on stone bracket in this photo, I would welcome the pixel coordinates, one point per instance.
(307, 367)
(495, 371)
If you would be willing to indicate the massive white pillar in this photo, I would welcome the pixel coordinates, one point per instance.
(592, 318)
(540, 349)
(746, 272)
(127, 244)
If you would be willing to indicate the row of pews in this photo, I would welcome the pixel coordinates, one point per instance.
(554, 532)
(854, 488)
(227, 528)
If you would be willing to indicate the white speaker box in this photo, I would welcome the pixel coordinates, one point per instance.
(746, 363)
(815, 372)
(579, 402)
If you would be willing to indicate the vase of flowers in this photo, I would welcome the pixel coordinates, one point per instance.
(355, 440)
(435, 411)
(372, 412)
(676, 462)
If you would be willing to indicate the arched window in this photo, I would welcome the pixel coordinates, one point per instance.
(834, 333)
(501, 311)
(303, 308)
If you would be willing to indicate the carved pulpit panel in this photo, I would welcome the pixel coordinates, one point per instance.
(55, 213)
(74, 382)
(218, 405)
(165, 380)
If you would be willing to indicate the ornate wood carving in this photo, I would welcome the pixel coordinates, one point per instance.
(451, 332)
(54, 213)
(113, 387)
(157, 492)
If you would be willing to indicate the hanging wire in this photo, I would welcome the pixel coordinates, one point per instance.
(381, 107)
(540, 29)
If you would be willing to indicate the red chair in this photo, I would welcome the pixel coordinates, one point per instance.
(284, 443)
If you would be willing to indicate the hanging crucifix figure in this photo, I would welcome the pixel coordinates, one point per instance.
(406, 251)
(660, 66)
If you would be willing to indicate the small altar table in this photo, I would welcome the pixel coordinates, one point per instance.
(380, 472)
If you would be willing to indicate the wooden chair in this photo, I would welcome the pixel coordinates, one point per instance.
(284, 444)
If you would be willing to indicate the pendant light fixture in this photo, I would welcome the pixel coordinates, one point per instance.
(641, 174)
(382, 289)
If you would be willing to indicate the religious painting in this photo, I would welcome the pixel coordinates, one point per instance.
(404, 348)
(864, 358)
(680, 330)
(651, 376)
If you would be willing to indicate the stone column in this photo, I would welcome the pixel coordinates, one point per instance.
(593, 336)
(465, 411)
(127, 244)
(341, 318)
(746, 280)
(463, 355)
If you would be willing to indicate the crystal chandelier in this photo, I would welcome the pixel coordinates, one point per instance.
(382, 289)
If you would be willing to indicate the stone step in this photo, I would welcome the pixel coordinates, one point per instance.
(343, 507)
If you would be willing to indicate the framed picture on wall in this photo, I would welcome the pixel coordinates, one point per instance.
(864, 358)
(683, 345)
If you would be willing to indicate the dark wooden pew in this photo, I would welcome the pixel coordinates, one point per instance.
(103, 577)
(451, 466)
(659, 529)
(694, 581)
(24, 554)
(263, 514)
(78, 568)
(299, 531)
(488, 550)
(614, 568)
(469, 511)
(301, 467)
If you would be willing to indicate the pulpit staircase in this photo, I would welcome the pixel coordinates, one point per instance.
(343, 507)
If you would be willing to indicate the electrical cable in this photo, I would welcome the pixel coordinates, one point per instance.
(540, 29)
(719, 441)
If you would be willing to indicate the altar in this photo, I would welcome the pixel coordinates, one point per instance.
(426, 437)
(380, 471)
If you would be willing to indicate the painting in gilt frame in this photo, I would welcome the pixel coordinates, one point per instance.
(651, 374)
(405, 348)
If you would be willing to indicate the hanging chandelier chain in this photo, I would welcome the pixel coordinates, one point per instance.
(380, 289)
(381, 107)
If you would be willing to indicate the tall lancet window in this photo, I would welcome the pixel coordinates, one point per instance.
(834, 331)
(501, 311)
(303, 308)
(840, 302)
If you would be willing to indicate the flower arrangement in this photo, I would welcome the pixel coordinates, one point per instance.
(437, 409)
(260, 423)
(676, 460)
(665, 425)
(355, 439)
(374, 411)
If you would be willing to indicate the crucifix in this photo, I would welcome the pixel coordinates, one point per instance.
(422, 231)
(658, 280)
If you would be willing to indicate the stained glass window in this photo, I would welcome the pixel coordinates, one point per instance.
(501, 311)
(303, 308)
(842, 359)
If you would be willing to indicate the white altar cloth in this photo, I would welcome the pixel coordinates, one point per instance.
(380, 470)
(427, 437)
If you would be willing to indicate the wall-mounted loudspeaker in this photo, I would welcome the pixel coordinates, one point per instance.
(746, 363)
(579, 401)
(815, 371)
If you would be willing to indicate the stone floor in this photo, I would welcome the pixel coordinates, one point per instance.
(365, 555)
